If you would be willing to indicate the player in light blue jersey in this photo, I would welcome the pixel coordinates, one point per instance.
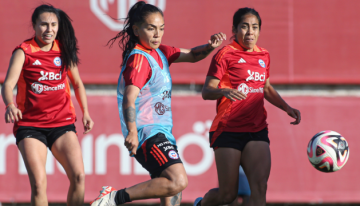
(144, 101)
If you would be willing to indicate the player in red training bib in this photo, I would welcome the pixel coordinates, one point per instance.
(238, 79)
(44, 115)
(144, 98)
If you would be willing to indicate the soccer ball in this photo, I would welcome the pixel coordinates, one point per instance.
(328, 151)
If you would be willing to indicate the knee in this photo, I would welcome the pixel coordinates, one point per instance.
(178, 185)
(78, 179)
(38, 186)
(181, 183)
(260, 188)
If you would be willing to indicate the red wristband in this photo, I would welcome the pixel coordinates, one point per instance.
(9, 105)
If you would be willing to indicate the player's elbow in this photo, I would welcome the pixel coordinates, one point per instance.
(8, 85)
(193, 57)
(205, 94)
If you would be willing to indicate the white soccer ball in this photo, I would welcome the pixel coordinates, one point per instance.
(328, 151)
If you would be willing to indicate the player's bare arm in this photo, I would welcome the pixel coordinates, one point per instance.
(211, 91)
(200, 52)
(272, 96)
(129, 112)
(17, 60)
(80, 94)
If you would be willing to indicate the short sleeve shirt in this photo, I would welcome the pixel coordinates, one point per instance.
(138, 70)
(246, 72)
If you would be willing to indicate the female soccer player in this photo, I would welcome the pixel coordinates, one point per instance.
(144, 98)
(238, 79)
(44, 115)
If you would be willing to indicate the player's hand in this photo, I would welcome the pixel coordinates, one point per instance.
(294, 113)
(12, 114)
(233, 94)
(132, 142)
(88, 123)
(217, 39)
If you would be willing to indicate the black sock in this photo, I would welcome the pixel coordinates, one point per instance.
(122, 197)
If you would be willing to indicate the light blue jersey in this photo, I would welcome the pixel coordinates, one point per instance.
(153, 104)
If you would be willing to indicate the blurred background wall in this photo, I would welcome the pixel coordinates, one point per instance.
(313, 46)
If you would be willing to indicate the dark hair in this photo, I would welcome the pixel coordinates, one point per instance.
(136, 15)
(65, 35)
(239, 15)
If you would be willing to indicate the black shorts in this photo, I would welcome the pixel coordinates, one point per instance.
(46, 135)
(238, 140)
(156, 154)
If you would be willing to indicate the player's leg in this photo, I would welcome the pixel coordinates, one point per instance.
(66, 149)
(245, 199)
(171, 182)
(34, 153)
(167, 187)
(171, 201)
(227, 165)
(256, 162)
(243, 189)
(234, 203)
(158, 156)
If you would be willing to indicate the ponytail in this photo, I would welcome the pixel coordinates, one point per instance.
(66, 35)
(136, 15)
(68, 42)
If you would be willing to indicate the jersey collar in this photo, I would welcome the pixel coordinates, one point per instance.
(237, 46)
(142, 48)
(35, 47)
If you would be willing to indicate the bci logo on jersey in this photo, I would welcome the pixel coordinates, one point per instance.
(165, 92)
(256, 76)
(101, 9)
(49, 76)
